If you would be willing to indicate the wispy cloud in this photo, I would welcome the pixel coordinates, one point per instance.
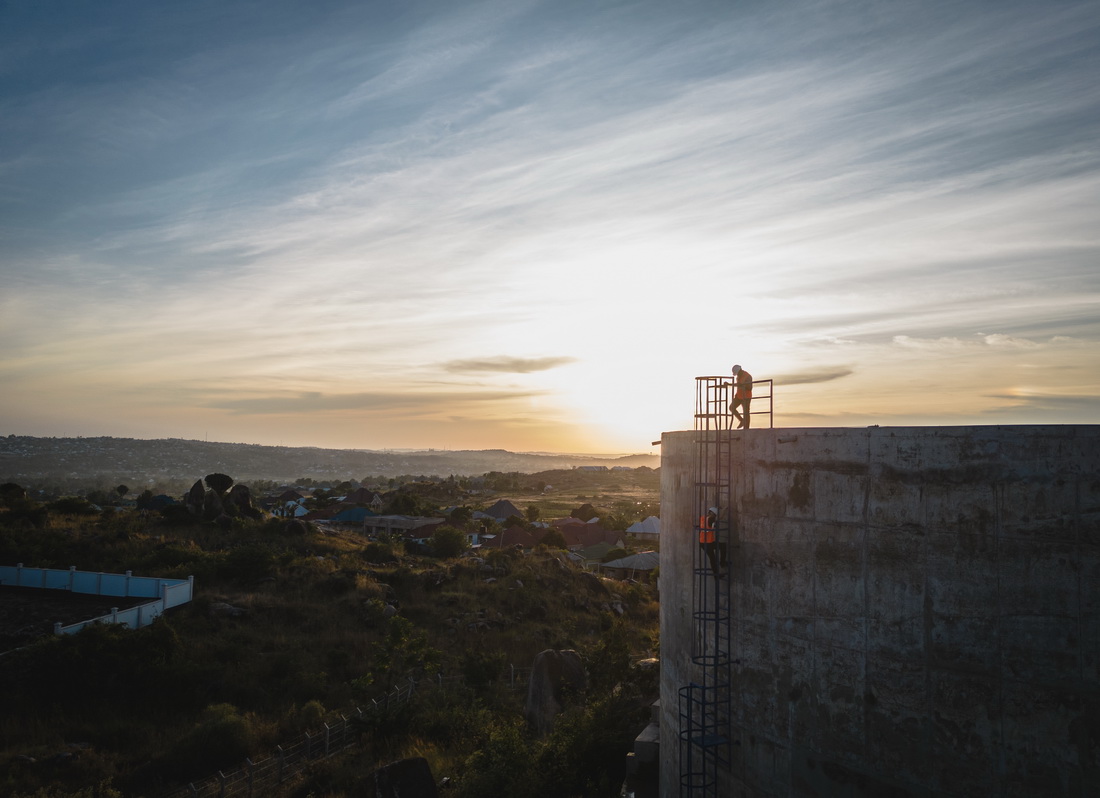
(506, 365)
(812, 377)
(317, 402)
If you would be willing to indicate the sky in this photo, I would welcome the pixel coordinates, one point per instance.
(531, 224)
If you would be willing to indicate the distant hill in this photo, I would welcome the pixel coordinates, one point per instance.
(25, 457)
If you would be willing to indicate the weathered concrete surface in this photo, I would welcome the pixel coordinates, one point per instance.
(916, 610)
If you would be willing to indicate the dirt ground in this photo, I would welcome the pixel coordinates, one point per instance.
(27, 613)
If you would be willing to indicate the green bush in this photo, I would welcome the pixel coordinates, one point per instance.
(448, 542)
(503, 765)
(480, 668)
(25, 513)
(73, 505)
(248, 563)
(379, 553)
(221, 738)
(585, 753)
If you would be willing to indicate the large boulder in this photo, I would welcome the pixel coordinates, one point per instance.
(240, 499)
(212, 506)
(556, 678)
(219, 482)
(195, 498)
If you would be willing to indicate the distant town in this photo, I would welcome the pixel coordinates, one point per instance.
(166, 461)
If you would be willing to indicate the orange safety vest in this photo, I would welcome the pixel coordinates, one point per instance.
(706, 530)
(744, 385)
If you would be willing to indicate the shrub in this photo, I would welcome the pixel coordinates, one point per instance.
(222, 737)
(554, 539)
(306, 717)
(502, 766)
(585, 753)
(22, 512)
(73, 505)
(249, 562)
(614, 554)
(480, 668)
(379, 553)
(448, 542)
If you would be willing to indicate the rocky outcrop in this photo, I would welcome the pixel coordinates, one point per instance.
(221, 501)
(239, 501)
(212, 506)
(195, 498)
(557, 677)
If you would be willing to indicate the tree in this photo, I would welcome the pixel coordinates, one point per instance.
(448, 542)
(554, 539)
(532, 513)
(10, 492)
(122, 490)
(461, 516)
(586, 512)
(403, 503)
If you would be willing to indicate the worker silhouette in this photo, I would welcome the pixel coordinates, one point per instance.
(714, 550)
(742, 397)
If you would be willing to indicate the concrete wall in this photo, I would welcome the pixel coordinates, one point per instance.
(916, 610)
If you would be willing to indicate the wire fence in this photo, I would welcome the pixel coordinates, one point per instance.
(254, 778)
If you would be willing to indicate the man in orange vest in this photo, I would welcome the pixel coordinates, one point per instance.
(742, 396)
(708, 541)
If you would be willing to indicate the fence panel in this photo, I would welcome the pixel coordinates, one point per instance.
(177, 593)
(168, 592)
(85, 582)
(95, 583)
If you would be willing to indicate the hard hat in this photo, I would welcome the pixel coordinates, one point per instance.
(713, 510)
(736, 369)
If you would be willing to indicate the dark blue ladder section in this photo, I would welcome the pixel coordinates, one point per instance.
(705, 703)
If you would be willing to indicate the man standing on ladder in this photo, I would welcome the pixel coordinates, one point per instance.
(742, 396)
(714, 549)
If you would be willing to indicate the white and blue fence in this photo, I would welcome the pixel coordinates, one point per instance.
(166, 593)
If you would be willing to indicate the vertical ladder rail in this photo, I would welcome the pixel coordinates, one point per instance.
(705, 704)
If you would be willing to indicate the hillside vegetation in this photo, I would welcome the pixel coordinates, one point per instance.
(290, 625)
(63, 461)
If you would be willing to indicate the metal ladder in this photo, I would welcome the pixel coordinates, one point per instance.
(705, 704)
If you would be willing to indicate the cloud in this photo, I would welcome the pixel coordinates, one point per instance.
(1009, 342)
(981, 341)
(506, 365)
(1083, 408)
(810, 377)
(318, 402)
(950, 343)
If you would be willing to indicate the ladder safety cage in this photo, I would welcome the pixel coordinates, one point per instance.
(705, 704)
(714, 394)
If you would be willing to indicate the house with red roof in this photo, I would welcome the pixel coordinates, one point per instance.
(366, 498)
(512, 536)
(581, 535)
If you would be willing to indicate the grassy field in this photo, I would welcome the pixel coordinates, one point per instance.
(556, 493)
